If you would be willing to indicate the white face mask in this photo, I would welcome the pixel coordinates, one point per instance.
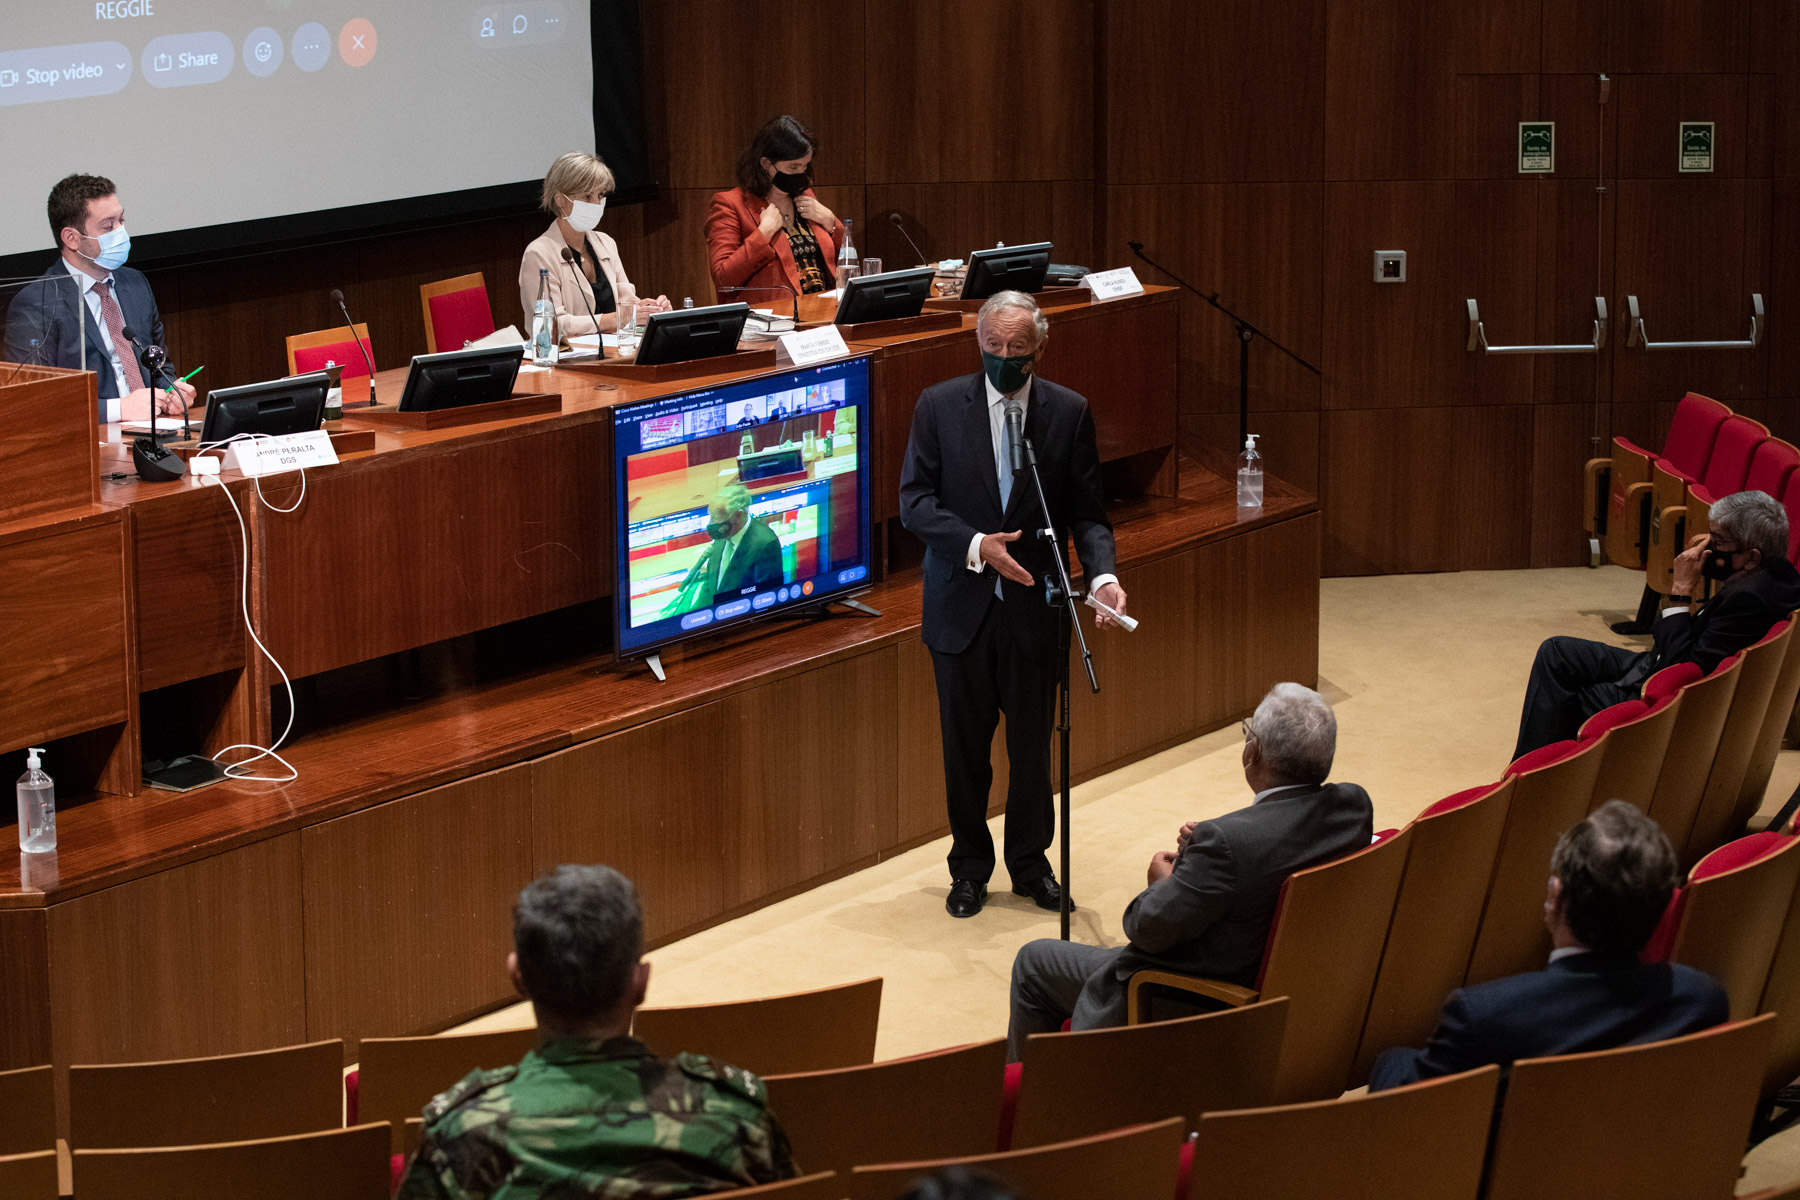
(584, 216)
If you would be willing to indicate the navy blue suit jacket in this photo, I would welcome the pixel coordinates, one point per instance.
(44, 327)
(1578, 1003)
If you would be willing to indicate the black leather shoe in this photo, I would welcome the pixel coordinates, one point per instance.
(966, 898)
(1044, 892)
(1630, 627)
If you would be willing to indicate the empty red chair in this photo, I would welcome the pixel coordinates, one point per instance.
(1625, 478)
(314, 351)
(457, 312)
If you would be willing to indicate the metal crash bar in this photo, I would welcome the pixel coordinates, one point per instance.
(1478, 336)
(1638, 338)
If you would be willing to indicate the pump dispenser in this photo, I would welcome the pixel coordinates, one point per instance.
(1250, 475)
(37, 806)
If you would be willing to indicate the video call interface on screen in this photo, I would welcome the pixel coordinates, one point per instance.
(740, 500)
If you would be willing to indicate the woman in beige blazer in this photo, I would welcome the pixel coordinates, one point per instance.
(575, 192)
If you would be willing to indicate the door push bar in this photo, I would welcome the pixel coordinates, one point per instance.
(1639, 339)
(1478, 335)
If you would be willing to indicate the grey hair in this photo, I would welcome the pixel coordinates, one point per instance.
(578, 933)
(1296, 732)
(1754, 520)
(1000, 301)
(735, 497)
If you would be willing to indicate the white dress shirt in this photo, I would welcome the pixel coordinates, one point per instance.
(110, 403)
(729, 550)
(996, 407)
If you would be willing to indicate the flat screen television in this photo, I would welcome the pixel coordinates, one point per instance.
(458, 378)
(292, 405)
(886, 296)
(738, 502)
(684, 334)
(1006, 268)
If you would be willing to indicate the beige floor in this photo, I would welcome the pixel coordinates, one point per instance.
(1425, 672)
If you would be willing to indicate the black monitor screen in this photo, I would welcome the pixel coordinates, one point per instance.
(457, 378)
(1006, 268)
(280, 406)
(689, 333)
(886, 296)
(739, 501)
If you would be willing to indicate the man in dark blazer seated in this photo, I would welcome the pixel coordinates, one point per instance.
(744, 554)
(1610, 879)
(993, 639)
(1746, 553)
(45, 326)
(1209, 904)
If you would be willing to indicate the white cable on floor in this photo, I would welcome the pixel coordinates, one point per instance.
(236, 770)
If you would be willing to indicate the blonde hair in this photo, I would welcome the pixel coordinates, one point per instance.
(575, 174)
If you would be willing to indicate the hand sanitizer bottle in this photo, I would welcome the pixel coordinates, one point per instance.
(1250, 475)
(37, 806)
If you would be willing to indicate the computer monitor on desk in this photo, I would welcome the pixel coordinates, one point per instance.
(1006, 268)
(684, 334)
(884, 297)
(292, 405)
(458, 378)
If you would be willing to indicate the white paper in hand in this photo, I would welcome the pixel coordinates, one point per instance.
(1128, 624)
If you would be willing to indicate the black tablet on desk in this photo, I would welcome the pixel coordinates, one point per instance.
(459, 378)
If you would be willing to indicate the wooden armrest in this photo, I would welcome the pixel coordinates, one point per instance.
(1226, 993)
(1596, 486)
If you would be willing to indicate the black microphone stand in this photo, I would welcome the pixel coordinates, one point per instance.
(1059, 594)
(1246, 332)
(573, 262)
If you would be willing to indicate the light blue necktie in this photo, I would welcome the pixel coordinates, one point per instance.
(1004, 467)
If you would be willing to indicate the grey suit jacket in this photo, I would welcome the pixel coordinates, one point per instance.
(1211, 916)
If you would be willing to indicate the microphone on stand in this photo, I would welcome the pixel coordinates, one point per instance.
(157, 359)
(337, 298)
(1015, 421)
(573, 260)
(895, 218)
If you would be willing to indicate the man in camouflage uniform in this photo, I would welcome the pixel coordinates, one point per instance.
(592, 1112)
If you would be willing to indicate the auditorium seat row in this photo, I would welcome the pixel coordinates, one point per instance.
(1643, 506)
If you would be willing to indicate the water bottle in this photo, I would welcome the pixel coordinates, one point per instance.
(1250, 475)
(847, 262)
(543, 324)
(334, 395)
(37, 806)
(687, 302)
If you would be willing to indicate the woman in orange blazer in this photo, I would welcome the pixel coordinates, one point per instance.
(770, 230)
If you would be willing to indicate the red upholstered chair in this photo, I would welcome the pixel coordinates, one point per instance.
(1625, 478)
(1555, 785)
(1635, 740)
(312, 351)
(1705, 703)
(1770, 467)
(457, 312)
(1323, 952)
(1725, 471)
(1723, 811)
(1728, 919)
(1436, 914)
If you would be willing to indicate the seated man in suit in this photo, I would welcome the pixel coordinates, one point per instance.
(744, 554)
(1210, 902)
(593, 1112)
(1610, 879)
(44, 325)
(1746, 553)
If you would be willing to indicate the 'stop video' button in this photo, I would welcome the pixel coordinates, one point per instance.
(63, 72)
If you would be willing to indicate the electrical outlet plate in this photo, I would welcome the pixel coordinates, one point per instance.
(1390, 266)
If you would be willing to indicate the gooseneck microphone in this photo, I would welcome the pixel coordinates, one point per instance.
(337, 298)
(157, 359)
(898, 224)
(574, 261)
(1015, 421)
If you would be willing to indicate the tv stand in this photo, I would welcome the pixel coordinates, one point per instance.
(654, 662)
(823, 609)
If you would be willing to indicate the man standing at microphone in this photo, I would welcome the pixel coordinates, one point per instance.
(993, 639)
(43, 325)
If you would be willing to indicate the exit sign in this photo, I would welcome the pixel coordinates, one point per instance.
(1537, 147)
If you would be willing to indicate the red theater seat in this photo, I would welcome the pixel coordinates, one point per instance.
(456, 312)
(1625, 479)
(1724, 473)
(312, 351)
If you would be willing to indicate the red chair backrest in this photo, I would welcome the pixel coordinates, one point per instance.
(1669, 680)
(344, 354)
(1692, 433)
(1729, 464)
(1770, 467)
(459, 317)
(1622, 713)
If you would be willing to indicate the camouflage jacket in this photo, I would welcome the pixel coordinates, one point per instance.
(581, 1119)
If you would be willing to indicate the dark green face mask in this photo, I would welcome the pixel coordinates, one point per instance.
(1007, 375)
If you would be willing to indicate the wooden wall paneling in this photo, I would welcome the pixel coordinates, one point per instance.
(189, 623)
(1499, 225)
(1679, 36)
(63, 589)
(1260, 247)
(951, 220)
(1784, 286)
(1574, 252)
(1491, 497)
(409, 908)
(996, 91)
(25, 1009)
(1387, 477)
(1775, 49)
(719, 68)
(1488, 111)
(48, 443)
(1290, 442)
(1692, 250)
(901, 375)
(659, 803)
(1388, 83)
(200, 959)
(1128, 379)
(816, 756)
(920, 812)
(1652, 108)
(1281, 605)
(1559, 447)
(1231, 91)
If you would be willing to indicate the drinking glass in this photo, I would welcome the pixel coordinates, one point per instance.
(871, 266)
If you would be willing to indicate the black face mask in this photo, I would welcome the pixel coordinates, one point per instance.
(718, 531)
(1716, 564)
(793, 185)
